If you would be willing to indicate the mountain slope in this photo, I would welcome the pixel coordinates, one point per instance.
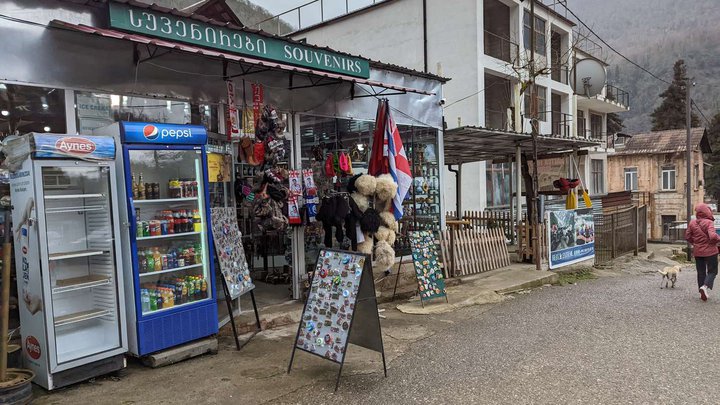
(655, 33)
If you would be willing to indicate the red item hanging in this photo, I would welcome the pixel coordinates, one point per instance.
(378, 156)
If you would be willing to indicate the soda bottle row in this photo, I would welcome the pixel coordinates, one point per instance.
(183, 188)
(179, 255)
(171, 292)
(169, 222)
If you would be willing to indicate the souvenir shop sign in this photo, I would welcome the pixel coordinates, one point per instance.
(181, 29)
(571, 236)
(427, 266)
(229, 251)
(341, 308)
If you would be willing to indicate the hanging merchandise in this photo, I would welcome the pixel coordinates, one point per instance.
(585, 195)
(233, 119)
(309, 182)
(330, 165)
(293, 211)
(295, 184)
(258, 97)
(248, 123)
(258, 155)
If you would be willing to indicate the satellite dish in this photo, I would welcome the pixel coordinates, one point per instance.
(588, 77)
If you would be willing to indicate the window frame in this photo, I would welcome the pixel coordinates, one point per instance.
(542, 102)
(631, 172)
(540, 33)
(598, 177)
(667, 169)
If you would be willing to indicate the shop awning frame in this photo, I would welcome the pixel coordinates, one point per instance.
(469, 144)
(247, 64)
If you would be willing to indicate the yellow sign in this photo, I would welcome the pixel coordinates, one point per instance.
(218, 168)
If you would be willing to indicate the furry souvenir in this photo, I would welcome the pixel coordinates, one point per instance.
(365, 185)
(351, 183)
(386, 188)
(385, 234)
(388, 220)
(361, 201)
(384, 255)
(366, 246)
(351, 222)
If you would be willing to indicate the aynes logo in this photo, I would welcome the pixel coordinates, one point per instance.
(150, 132)
(75, 145)
(32, 346)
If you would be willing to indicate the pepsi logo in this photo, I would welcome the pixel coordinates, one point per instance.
(150, 132)
(75, 145)
(32, 346)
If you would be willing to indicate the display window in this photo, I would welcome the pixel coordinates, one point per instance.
(26, 109)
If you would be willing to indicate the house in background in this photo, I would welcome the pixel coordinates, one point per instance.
(652, 166)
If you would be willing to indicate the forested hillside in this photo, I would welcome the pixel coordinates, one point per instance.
(655, 33)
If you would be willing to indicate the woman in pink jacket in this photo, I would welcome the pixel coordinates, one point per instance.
(702, 235)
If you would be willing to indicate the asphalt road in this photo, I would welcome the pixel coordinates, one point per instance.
(619, 340)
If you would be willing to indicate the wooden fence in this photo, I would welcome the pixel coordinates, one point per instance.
(526, 245)
(483, 220)
(620, 233)
(469, 251)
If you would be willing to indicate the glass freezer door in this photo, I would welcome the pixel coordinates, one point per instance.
(171, 243)
(77, 205)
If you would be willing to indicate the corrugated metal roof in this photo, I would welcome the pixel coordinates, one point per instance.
(670, 141)
(229, 56)
(174, 11)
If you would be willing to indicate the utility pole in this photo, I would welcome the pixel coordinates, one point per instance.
(534, 134)
(688, 159)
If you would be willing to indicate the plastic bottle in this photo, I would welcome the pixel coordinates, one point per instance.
(185, 292)
(197, 221)
(150, 260)
(191, 289)
(159, 297)
(145, 300)
(142, 262)
(204, 289)
(158, 259)
(153, 300)
(134, 189)
(140, 188)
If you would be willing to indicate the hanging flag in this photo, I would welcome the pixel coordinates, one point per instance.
(378, 154)
(394, 155)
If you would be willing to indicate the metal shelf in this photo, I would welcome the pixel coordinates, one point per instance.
(80, 316)
(79, 283)
(170, 235)
(84, 208)
(73, 196)
(165, 200)
(150, 273)
(73, 255)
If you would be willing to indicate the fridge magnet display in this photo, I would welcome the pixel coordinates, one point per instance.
(229, 251)
(341, 308)
(427, 266)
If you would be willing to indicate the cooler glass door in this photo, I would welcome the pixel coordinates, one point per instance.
(169, 240)
(76, 221)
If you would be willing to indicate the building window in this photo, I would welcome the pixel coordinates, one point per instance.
(631, 179)
(596, 121)
(498, 177)
(597, 172)
(581, 131)
(668, 178)
(696, 175)
(540, 38)
(25, 109)
(541, 100)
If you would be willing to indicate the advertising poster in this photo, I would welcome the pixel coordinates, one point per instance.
(427, 266)
(571, 235)
(218, 168)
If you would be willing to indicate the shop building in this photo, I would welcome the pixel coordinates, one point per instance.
(74, 67)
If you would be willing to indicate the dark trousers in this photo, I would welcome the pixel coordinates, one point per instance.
(707, 269)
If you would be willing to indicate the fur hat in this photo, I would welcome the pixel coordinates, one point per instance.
(385, 234)
(370, 221)
(386, 188)
(384, 255)
(366, 246)
(365, 184)
(388, 220)
(361, 201)
(351, 183)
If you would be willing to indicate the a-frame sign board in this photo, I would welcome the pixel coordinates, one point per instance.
(341, 308)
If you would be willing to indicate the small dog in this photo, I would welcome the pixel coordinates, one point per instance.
(669, 275)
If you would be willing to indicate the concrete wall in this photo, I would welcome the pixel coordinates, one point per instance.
(650, 181)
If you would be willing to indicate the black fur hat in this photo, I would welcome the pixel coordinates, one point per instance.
(370, 221)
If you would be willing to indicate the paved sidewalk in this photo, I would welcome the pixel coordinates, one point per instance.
(257, 373)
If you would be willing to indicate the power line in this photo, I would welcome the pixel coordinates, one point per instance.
(697, 107)
(611, 48)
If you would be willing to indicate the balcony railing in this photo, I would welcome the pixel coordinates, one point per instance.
(561, 124)
(560, 74)
(312, 13)
(501, 48)
(618, 95)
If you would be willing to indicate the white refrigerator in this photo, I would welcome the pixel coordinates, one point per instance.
(68, 257)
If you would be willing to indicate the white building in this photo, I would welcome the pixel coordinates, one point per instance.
(483, 46)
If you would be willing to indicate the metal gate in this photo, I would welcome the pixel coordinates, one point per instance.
(620, 233)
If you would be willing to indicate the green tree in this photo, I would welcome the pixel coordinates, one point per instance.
(671, 113)
(614, 123)
(712, 173)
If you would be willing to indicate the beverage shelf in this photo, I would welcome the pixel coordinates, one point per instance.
(148, 313)
(73, 255)
(164, 200)
(73, 196)
(79, 283)
(170, 235)
(80, 316)
(150, 273)
(84, 208)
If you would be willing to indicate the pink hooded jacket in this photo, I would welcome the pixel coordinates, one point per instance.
(701, 232)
